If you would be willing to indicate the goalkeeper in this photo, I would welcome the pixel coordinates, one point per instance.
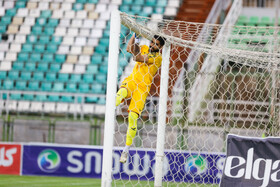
(137, 85)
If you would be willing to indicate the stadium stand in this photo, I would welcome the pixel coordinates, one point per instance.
(61, 47)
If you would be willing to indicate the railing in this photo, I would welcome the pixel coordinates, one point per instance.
(259, 3)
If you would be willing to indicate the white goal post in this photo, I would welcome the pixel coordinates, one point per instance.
(180, 141)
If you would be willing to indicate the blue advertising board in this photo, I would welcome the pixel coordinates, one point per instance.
(86, 161)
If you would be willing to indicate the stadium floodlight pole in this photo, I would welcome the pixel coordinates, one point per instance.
(110, 113)
(162, 114)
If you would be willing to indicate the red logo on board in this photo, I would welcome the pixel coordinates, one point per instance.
(10, 158)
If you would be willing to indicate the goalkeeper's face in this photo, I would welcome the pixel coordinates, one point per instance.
(155, 45)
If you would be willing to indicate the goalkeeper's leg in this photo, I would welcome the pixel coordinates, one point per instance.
(130, 134)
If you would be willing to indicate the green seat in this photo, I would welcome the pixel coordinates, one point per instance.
(43, 66)
(39, 76)
(92, 68)
(11, 12)
(6, 20)
(33, 85)
(253, 21)
(43, 39)
(59, 58)
(101, 78)
(30, 66)
(151, 2)
(3, 75)
(97, 88)
(58, 87)
(101, 101)
(96, 59)
(242, 20)
(52, 22)
(23, 57)
(46, 86)
(35, 57)
(3, 28)
(53, 98)
(83, 87)
(51, 76)
(71, 87)
(55, 67)
(32, 38)
(48, 30)
(162, 3)
(37, 30)
(41, 21)
(13, 74)
(75, 78)
(159, 10)
(93, 1)
(39, 48)
(103, 69)
(20, 4)
(21, 85)
(81, 1)
(46, 13)
(27, 47)
(100, 49)
(78, 6)
(91, 99)
(123, 62)
(15, 96)
(25, 75)
(8, 84)
(88, 78)
(28, 97)
(51, 48)
(47, 58)
(17, 65)
(41, 97)
(56, 40)
(67, 99)
(104, 41)
(136, 9)
(127, 2)
(265, 21)
(63, 77)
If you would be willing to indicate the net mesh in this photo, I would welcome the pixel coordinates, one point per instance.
(230, 87)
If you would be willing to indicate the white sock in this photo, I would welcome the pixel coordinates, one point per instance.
(126, 149)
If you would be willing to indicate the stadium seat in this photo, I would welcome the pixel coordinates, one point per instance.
(58, 87)
(42, 66)
(30, 66)
(18, 65)
(13, 74)
(33, 85)
(75, 78)
(21, 85)
(88, 78)
(3, 75)
(67, 99)
(28, 97)
(97, 88)
(51, 76)
(53, 98)
(71, 87)
(8, 84)
(63, 77)
(15, 96)
(55, 67)
(46, 86)
(25, 75)
(38, 75)
(83, 87)
(41, 97)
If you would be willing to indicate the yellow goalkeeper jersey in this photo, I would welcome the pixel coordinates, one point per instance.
(144, 72)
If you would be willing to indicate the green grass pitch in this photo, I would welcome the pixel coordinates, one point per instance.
(42, 181)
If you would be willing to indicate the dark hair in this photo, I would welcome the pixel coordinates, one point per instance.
(160, 39)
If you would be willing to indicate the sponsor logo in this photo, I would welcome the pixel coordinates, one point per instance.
(196, 165)
(6, 156)
(48, 160)
(10, 159)
(260, 169)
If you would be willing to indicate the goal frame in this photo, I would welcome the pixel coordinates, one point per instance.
(110, 113)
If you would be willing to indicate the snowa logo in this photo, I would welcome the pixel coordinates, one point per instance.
(48, 160)
(196, 165)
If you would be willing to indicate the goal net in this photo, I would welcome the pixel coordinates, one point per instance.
(221, 79)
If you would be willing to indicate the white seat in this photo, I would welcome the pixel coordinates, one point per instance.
(81, 14)
(69, 14)
(88, 108)
(4, 46)
(11, 56)
(2, 11)
(72, 59)
(80, 41)
(11, 105)
(64, 22)
(112, 7)
(36, 107)
(173, 3)
(60, 31)
(87, 50)
(100, 8)
(20, 38)
(117, 2)
(170, 11)
(62, 107)
(104, 1)
(100, 109)
(59, 1)
(96, 33)
(15, 47)
(84, 32)
(84, 59)
(29, 21)
(34, 13)
(92, 42)
(5, 66)
(80, 69)
(58, 14)
(17, 20)
(66, 6)
(157, 16)
(69, 1)
(76, 23)
(12, 29)
(22, 12)
(93, 15)
(88, 23)
(23, 106)
(49, 107)
(74, 108)
(25, 29)
(76, 50)
(100, 24)
(32, 5)
(105, 16)
(68, 40)
(67, 68)
(72, 31)
(43, 5)
(63, 49)
(54, 6)
(2, 54)
(8, 4)
(89, 7)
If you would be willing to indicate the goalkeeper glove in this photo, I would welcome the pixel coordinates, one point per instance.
(137, 39)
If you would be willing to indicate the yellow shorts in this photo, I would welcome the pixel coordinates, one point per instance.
(137, 94)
